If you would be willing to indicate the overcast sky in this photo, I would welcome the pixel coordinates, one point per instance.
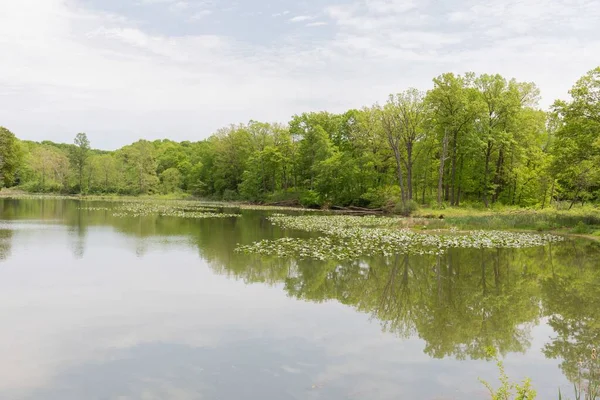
(121, 70)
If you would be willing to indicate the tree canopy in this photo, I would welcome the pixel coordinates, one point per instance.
(469, 139)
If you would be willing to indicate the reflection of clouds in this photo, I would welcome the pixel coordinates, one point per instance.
(175, 371)
(68, 312)
(5, 243)
(164, 326)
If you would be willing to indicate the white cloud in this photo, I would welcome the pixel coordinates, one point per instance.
(301, 18)
(315, 24)
(200, 15)
(390, 6)
(280, 14)
(67, 69)
(180, 5)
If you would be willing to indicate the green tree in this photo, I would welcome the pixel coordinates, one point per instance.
(104, 172)
(50, 168)
(576, 148)
(10, 157)
(314, 145)
(403, 117)
(170, 180)
(139, 168)
(453, 114)
(79, 155)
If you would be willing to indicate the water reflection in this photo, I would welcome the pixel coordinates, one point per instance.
(457, 304)
(176, 371)
(5, 243)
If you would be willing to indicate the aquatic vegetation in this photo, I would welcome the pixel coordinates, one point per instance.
(170, 209)
(327, 223)
(351, 237)
(258, 207)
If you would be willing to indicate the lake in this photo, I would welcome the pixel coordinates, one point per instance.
(97, 305)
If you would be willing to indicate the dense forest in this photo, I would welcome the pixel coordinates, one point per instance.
(469, 139)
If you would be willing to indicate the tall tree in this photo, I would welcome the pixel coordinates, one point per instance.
(403, 118)
(139, 167)
(10, 157)
(314, 145)
(576, 147)
(498, 103)
(79, 156)
(453, 114)
(104, 172)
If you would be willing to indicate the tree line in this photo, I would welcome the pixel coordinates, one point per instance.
(469, 139)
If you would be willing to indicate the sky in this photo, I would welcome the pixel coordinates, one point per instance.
(121, 70)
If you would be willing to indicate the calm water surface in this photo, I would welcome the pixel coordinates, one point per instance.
(94, 306)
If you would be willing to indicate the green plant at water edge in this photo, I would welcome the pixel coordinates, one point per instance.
(508, 390)
(581, 228)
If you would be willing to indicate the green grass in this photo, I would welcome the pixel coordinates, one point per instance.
(583, 220)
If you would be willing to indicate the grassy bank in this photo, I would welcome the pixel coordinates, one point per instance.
(580, 221)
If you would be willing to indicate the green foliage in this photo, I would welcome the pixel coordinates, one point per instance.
(310, 199)
(581, 228)
(508, 390)
(288, 196)
(10, 157)
(79, 155)
(406, 208)
(385, 197)
(477, 140)
(587, 219)
(576, 149)
(170, 180)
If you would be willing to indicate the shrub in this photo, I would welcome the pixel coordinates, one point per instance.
(230, 195)
(406, 208)
(383, 197)
(581, 228)
(289, 196)
(310, 199)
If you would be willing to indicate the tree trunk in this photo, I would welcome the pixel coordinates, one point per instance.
(574, 199)
(498, 179)
(424, 183)
(80, 178)
(551, 193)
(459, 190)
(409, 171)
(453, 169)
(514, 193)
(544, 199)
(486, 173)
(399, 175)
(441, 172)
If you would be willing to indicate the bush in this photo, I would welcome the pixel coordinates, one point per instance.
(383, 197)
(407, 208)
(541, 226)
(289, 196)
(230, 195)
(581, 228)
(310, 199)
